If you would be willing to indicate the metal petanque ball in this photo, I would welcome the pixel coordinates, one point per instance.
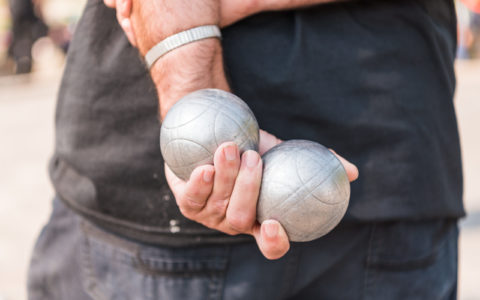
(305, 188)
(200, 122)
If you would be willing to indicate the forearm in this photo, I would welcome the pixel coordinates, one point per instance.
(196, 65)
(190, 67)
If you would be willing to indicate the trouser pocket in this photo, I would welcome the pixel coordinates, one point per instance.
(412, 260)
(115, 268)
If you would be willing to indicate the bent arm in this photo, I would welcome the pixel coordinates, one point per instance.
(197, 65)
(188, 68)
(194, 66)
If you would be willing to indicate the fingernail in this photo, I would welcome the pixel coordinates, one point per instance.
(230, 152)
(207, 175)
(271, 229)
(251, 159)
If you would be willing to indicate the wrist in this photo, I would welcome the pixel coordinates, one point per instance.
(191, 67)
(180, 39)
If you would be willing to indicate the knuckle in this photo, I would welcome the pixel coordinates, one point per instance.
(224, 195)
(192, 203)
(194, 194)
(208, 224)
(195, 204)
(233, 166)
(219, 207)
(211, 223)
(186, 213)
(229, 169)
(226, 228)
(250, 182)
(227, 179)
(250, 178)
(239, 222)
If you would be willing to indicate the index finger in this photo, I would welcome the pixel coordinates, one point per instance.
(191, 196)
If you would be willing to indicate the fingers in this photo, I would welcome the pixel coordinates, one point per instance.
(191, 196)
(176, 184)
(197, 191)
(351, 169)
(124, 10)
(205, 196)
(242, 209)
(272, 240)
(227, 162)
(267, 141)
(224, 197)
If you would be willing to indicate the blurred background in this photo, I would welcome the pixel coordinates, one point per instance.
(34, 38)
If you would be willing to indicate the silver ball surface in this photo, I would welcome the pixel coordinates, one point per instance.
(305, 188)
(200, 122)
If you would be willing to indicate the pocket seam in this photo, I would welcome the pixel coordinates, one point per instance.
(87, 273)
(389, 264)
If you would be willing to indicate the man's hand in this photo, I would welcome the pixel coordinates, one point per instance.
(224, 196)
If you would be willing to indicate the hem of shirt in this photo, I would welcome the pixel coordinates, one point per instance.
(154, 235)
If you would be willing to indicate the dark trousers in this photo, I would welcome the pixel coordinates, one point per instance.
(74, 260)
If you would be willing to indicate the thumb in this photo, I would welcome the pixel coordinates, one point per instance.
(272, 240)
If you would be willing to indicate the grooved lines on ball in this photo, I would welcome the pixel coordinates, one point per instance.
(326, 227)
(303, 183)
(206, 119)
(184, 164)
(225, 114)
(302, 209)
(218, 112)
(221, 110)
(206, 109)
(300, 190)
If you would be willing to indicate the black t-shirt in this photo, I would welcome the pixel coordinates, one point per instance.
(373, 80)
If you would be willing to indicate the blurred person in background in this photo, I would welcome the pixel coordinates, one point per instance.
(475, 25)
(374, 80)
(27, 27)
(468, 12)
